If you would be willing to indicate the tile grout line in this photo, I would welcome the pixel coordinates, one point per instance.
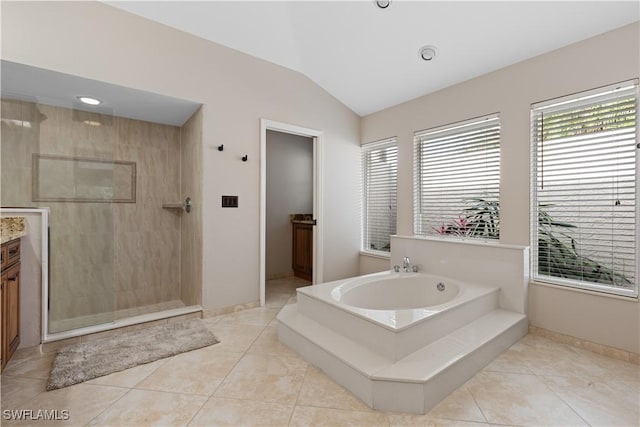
(160, 365)
(109, 406)
(295, 402)
(539, 378)
(244, 353)
(574, 410)
(24, 399)
(306, 372)
(543, 383)
(135, 387)
(486, 420)
(195, 414)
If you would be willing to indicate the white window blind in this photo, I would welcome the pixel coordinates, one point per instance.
(380, 172)
(457, 179)
(584, 190)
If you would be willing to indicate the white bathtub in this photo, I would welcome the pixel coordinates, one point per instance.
(396, 291)
(397, 301)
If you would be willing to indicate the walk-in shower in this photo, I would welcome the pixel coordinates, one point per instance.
(114, 176)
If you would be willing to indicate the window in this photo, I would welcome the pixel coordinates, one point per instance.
(380, 172)
(584, 190)
(457, 179)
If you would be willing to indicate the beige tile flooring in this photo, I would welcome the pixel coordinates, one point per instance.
(251, 379)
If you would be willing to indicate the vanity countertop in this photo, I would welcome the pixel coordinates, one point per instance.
(12, 227)
(301, 219)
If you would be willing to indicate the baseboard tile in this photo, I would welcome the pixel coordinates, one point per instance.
(605, 350)
(279, 275)
(229, 309)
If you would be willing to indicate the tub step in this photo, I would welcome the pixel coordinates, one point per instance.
(415, 383)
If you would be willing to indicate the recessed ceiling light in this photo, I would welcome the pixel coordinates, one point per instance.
(428, 52)
(89, 100)
(383, 4)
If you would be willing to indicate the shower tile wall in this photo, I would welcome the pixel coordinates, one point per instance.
(104, 256)
(18, 142)
(147, 251)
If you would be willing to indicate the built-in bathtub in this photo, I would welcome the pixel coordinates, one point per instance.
(396, 314)
(399, 341)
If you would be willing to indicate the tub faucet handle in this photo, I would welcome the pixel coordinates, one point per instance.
(396, 268)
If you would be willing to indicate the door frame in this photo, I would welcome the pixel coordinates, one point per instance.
(317, 137)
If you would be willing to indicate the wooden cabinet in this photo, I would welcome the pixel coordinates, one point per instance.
(302, 259)
(10, 300)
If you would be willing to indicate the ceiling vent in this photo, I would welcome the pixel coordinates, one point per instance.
(428, 53)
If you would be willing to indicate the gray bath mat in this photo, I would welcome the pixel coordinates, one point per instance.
(82, 362)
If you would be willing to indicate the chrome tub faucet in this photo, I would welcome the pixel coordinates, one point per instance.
(406, 265)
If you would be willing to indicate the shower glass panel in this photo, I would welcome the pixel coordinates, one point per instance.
(57, 156)
(114, 176)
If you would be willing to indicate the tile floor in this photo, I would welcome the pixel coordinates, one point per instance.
(251, 379)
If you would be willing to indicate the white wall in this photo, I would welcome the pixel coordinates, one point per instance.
(289, 191)
(374, 264)
(599, 61)
(30, 281)
(96, 41)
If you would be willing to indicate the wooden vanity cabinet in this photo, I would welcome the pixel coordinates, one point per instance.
(302, 259)
(10, 300)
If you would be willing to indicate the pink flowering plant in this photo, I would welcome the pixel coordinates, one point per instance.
(460, 227)
(481, 220)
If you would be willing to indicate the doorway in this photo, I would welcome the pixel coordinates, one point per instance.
(290, 184)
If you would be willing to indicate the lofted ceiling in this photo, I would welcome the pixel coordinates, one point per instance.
(368, 58)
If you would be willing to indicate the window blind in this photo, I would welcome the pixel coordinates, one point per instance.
(457, 179)
(584, 190)
(380, 176)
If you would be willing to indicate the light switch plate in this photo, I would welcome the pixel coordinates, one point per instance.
(229, 201)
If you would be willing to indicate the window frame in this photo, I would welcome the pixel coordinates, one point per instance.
(417, 180)
(365, 149)
(555, 103)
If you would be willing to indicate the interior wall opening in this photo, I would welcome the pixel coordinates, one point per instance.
(315, 224)
(289, 212)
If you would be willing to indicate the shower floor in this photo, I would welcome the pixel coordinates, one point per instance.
(62, 325)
